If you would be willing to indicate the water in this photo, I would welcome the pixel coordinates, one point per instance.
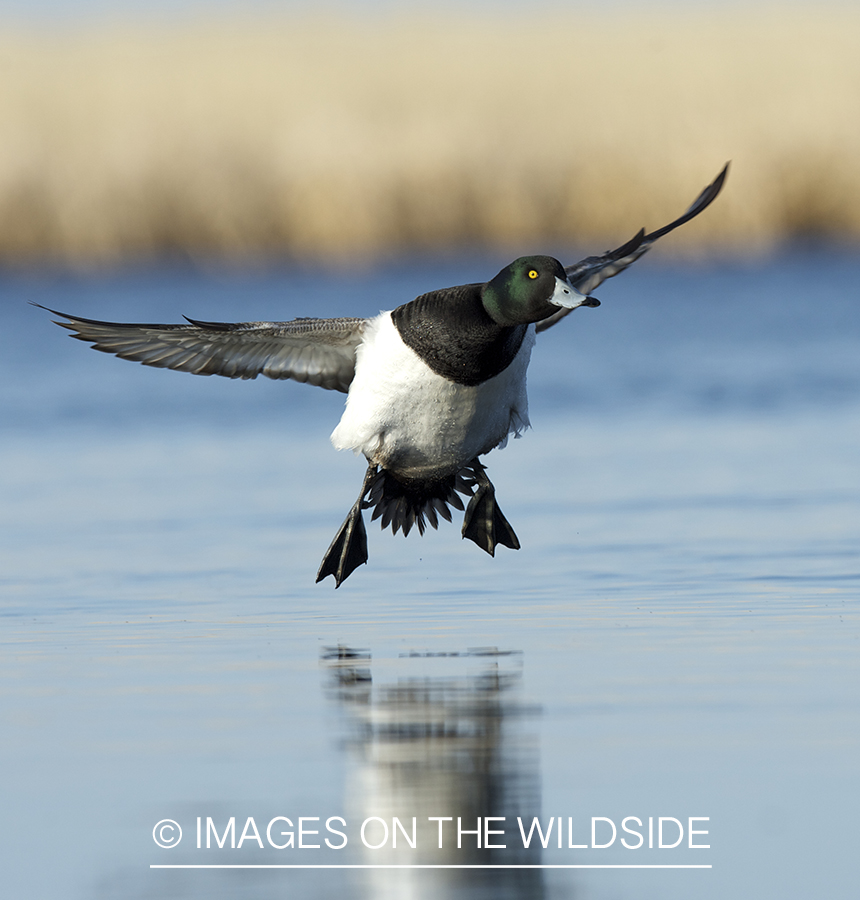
(678, 637)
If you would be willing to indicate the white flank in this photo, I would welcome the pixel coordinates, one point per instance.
(405, 417)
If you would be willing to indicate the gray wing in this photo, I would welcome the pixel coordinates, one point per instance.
(587, 274)
(316, 351)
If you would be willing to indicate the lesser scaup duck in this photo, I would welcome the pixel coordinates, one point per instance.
(431, 386)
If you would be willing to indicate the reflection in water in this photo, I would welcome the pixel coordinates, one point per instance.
(437, 741)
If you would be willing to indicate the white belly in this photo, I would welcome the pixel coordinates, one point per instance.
(413, 422)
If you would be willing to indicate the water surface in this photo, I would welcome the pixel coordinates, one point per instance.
(678, 636)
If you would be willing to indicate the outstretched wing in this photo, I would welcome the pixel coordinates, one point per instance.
(587, 274)
(316, 351)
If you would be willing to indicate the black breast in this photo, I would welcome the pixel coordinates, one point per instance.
(452, 332)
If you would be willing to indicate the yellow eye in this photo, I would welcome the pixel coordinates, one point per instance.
(533, 273)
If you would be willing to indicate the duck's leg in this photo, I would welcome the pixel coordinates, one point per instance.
(348, 550)
(484, 523)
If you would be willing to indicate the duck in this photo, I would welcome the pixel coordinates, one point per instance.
(432, 385)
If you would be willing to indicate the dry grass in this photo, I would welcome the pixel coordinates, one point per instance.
(351, 138)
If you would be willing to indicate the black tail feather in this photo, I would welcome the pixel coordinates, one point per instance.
(406, 504)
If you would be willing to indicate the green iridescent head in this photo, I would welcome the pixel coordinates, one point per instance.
(530, 289)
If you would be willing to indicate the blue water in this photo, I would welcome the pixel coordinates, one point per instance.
(678, 637)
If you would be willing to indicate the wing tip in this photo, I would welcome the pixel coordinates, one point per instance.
(699, 205)
(211, 326)
(70, 320)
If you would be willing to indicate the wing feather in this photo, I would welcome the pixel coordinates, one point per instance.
(587, 274)
(316, 351)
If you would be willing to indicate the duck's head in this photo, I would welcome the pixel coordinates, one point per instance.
(530, 289)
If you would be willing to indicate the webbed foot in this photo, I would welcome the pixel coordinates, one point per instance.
(348, 550)
(484, 523)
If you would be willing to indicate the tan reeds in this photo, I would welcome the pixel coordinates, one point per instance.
(344, 138)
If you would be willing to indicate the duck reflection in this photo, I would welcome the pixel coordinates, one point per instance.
(439, 751)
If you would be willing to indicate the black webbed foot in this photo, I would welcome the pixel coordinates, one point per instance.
(348, 550)
(484, 523)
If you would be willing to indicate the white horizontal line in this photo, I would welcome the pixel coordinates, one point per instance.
(432, 866)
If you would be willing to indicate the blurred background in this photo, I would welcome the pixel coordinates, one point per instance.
(356, 132)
